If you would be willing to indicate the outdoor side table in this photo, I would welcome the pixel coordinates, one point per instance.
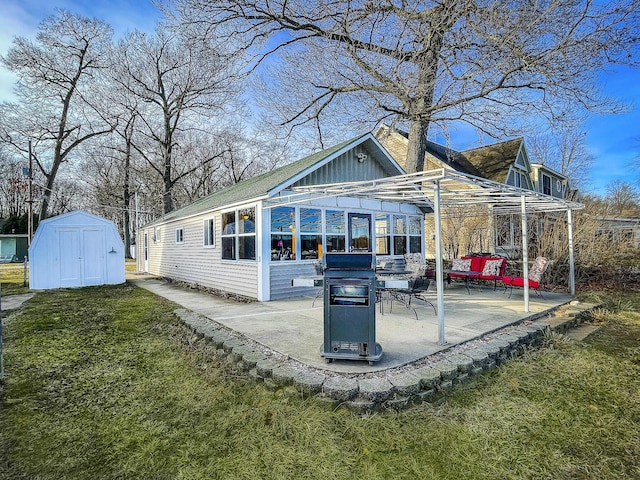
(466, 274)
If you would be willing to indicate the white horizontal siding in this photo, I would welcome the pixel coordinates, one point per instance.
(192, 262)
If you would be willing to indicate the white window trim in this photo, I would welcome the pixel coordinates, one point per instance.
(181, 240)
(205, 232)
(237, 236)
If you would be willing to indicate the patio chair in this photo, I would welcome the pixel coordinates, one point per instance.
(418, 285)
(536, 271)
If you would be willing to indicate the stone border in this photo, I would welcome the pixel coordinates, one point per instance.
(427, 379)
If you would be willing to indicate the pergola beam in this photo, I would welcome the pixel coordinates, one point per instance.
(439, 190)
(455, 189)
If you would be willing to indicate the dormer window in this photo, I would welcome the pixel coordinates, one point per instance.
(519, 179)
(546, 184)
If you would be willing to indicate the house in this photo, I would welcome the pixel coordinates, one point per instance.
(622, 229)
(235, 242)
(504, 162)
(549, 182)
(76, 249)
(507, 163)
(13, 247)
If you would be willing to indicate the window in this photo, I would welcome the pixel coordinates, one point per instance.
(156, 234)
(283, 226)
(519, 179)
(383, 234)
(359, 232)
(399, 234)
(546, 184)
(179, 235)
(335, 231)
(310, 233)
(209, 233)
(239, 234)
(406, 236)
(415, 234)
(306, 233)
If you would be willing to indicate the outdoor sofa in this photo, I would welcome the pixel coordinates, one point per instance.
(491, 268)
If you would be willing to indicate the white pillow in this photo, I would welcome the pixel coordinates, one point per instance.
(491, 268)
(461, 265)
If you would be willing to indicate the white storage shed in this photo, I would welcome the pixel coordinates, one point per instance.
(76, 249)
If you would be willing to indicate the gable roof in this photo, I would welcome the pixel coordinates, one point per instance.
(491, 161)
(80, 215)
(453, 158)
(276, 180)
(494, 161)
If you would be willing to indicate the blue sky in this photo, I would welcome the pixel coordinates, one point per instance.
(613, 140)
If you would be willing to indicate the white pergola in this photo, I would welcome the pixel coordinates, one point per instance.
(434, 189)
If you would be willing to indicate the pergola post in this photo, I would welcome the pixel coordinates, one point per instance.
(525, 253)
(572, 274)
(439, 269)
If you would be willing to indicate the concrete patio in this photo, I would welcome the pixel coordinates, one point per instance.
(295, 329)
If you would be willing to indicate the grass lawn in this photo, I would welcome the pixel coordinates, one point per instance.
(12, 279)
(103, 383)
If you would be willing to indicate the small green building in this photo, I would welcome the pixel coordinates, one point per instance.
(13, 247)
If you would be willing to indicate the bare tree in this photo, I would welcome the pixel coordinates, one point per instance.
(622, 196)
(58, 74)
(177, 85)
(566, 152)
(424, 62)
(108, 168)
(13, 187)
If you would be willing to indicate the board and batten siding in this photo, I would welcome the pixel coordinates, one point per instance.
(192, 262)
(346, 168)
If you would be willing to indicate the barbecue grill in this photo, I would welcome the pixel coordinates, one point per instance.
(349, 308)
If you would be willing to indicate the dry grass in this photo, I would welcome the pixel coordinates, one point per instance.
(103, 383)
(12, 279)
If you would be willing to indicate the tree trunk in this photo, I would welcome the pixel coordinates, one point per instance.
(44, 206)
(167, 147)
(420, 107)
(168, 186)
(126, 197)
(416, 147)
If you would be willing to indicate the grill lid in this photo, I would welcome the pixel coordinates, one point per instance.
(349, 261)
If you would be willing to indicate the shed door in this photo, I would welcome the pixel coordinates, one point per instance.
(82, 256)
(93, 256)
(70, 257)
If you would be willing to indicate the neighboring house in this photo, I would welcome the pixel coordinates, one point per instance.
(504, 162)
(13, 247)
(622, 229)
(235, 243)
